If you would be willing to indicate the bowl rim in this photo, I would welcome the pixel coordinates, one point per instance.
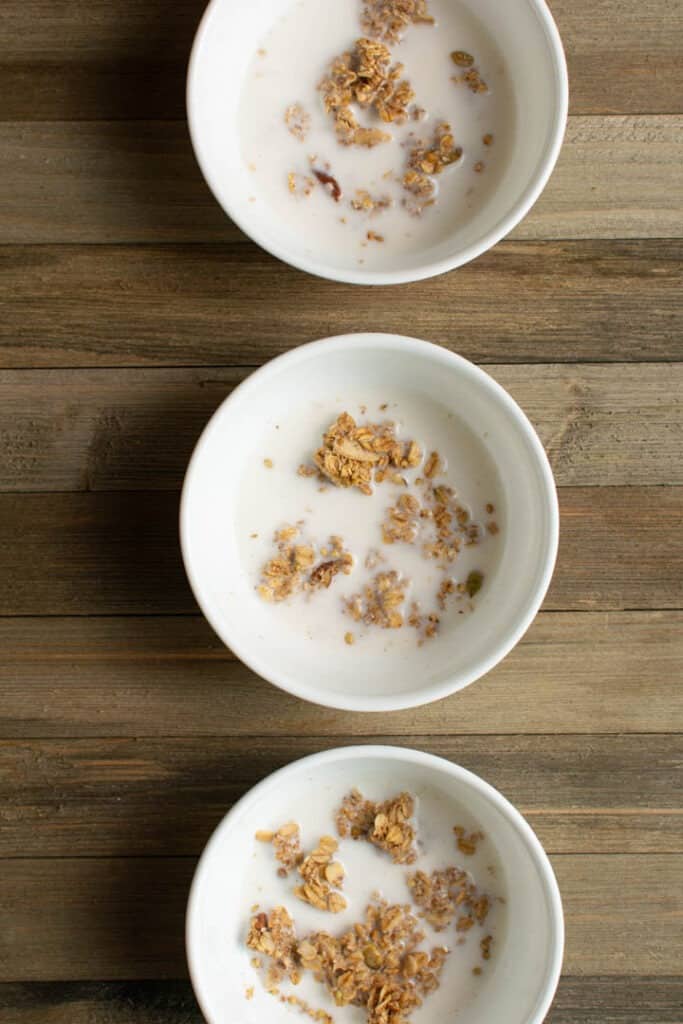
(538, 180)
(415, 697)
(408, 755)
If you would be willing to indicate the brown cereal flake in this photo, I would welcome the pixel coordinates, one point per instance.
(298, 121)
(485, 946)
(487, 139)
(330, 183)
(386, 824)
(433, 466)
(372, 236)
(322, 877)
(268, 463)
(473, 80)
(349, 639)
(388, 19)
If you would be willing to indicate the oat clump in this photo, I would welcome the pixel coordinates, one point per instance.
(447, 893)
(273, 934)
(286, 842)
(365, 76)
(380, 602)
(388, 19)
(321, 876)
(294, 567)
(425, 160)
(387, 825)
(351, 453)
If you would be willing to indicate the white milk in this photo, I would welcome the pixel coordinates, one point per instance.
(368, 870)
(293, 59)
(273, 497)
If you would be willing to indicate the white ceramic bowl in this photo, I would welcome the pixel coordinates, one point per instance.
(518, 983)
(347, 368)
(524, 31)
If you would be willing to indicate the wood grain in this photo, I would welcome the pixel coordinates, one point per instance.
(572, 673)
(72, 430)
(117, 552)
(137, 181)
(156, 797)
(123, 918)
(525, 302)
(128, 60)
(582, 1000)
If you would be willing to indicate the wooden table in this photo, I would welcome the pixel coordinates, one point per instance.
(129, 306)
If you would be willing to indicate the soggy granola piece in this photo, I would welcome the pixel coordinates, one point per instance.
(467, 843)
(274, 935)
(462, 58)
(433, 465)
(427, 626)
(376, 964)
(372, 236)
(300, 184)
(447, 893)
(287, 845)
(298, 121)
(485, 946)
(366, 203)
(322, 877)
(388, 19)
(386, 825)
(380, 602)
(401, 521)
(434, 156)
(366, 77)
(293, 569)
(473, 80)
(350, 452)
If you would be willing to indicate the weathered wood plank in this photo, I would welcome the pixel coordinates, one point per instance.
(137, 181)
(582, 1000)
(162, 797)
(222, 304)
(128, 60)
(117, 552)
(572, 673)
(123, 918)
(95, 430)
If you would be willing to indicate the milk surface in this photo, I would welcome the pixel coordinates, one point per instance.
(273, 497)
(368, 871)
(288, 67)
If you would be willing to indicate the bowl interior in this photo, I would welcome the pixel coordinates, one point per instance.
(237, 872)
(332, 376)
(525, 36)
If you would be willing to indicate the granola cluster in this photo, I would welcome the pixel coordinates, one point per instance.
(376, 964)
(471, 76)
(351, 455)
(386, 825)
(287, 845)
(295, 567)
(380, 963)
(448, 893)
(321, 877)
(380, 602)
(425, 161)
(388, 19)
